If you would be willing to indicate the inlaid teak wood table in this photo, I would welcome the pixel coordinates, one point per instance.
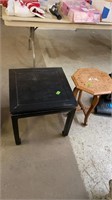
(50, 22)
(94, 82)
(39, 91)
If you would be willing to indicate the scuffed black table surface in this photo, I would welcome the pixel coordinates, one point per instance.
(39, 91)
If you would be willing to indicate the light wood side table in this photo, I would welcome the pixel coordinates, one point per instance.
(94, 82)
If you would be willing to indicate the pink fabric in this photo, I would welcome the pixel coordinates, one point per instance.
(82, 16)
(67, 5)
(80, 11)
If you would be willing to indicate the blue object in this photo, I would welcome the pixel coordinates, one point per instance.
(110, 105)
(104, 107)
(105, 13)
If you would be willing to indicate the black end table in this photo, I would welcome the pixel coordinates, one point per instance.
(39, 91)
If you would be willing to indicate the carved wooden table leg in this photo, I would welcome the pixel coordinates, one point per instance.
(80, 103)
(93, 105)
(75, 92)
(109, 195)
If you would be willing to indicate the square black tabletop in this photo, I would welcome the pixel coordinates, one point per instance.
(39, 89)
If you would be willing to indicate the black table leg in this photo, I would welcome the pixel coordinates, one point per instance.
(68, 123)
(16, 130)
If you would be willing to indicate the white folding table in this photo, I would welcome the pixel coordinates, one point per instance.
(49, 22)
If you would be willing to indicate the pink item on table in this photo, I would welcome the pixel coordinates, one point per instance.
(80, 11)
(83, 16)
(66, 5)
(85, 13)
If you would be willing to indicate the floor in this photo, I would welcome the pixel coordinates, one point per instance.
(47, 166)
